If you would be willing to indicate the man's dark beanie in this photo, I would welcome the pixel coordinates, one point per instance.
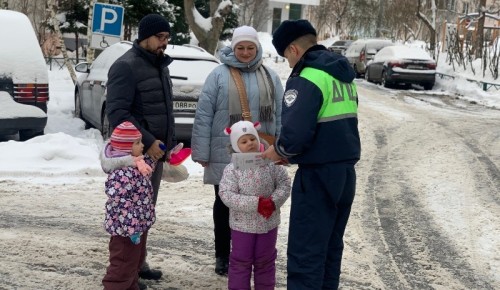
(288, 31)
(152, 24)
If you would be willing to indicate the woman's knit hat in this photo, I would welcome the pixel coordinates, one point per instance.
(239, 129)
(152, 24)
(124, 136)
(244, 33)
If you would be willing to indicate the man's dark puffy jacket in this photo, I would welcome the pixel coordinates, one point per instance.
(139, 90)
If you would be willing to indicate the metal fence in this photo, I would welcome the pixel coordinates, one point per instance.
(58, 62)
(484, 85)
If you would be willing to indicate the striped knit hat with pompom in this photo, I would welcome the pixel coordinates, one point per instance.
(124, 136)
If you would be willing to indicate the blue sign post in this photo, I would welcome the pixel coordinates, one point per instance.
(107, 25)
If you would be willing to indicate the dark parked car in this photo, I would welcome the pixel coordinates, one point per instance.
(340, 46)
(189, 70)
(24, 78)
(402, 65)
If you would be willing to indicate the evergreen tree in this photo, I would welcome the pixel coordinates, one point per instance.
(180, 29)
(229, 25)
(72, 16)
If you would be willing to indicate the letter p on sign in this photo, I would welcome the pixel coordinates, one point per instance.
(104, 17)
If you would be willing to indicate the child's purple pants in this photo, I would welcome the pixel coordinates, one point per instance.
(257, 250)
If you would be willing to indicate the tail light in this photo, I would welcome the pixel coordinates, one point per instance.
(31, 93)
(431, 65)
(396, 64)
(362, 56)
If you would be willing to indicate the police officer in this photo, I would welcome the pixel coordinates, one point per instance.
(319, 133)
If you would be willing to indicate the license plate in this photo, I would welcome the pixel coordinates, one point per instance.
(413, 66)
(184, 106)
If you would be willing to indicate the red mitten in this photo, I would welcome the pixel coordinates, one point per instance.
(271, 208)
(262, 207)
(266, 207)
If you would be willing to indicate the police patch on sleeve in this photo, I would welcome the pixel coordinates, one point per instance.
(290, 97)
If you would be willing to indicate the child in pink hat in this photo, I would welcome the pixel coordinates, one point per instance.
(129, 209)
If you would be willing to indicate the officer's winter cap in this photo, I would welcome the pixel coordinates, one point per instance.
(244, 33)
(124, 136)
(288, 31)
(239, 129)
(152, 24)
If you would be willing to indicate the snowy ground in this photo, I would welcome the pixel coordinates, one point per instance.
(426, 214)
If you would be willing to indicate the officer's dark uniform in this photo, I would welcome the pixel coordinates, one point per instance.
(319, 133)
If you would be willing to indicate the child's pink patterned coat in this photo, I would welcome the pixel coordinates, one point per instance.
(129, 208)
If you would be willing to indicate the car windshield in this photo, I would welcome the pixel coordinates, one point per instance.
(192, 71)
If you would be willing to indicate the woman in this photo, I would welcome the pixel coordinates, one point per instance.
(219, 107)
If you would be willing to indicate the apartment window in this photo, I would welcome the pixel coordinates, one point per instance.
(276, 18)
(295, 12)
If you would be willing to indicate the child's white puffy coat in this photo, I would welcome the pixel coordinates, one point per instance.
(240, 191)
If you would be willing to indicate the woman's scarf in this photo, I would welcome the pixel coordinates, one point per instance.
(266, 94)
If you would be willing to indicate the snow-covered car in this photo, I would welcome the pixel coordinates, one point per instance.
(361, 51)
(16, 117)
(402, 64)
(340, 46)
(188, 71)
(23, 77)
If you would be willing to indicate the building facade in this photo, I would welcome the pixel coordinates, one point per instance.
(282, 10)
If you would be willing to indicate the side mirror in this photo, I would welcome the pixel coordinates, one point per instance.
(83, 67)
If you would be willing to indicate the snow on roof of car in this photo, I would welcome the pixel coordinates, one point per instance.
(13, 110)
(406, 52)
(20, 54)
(178, 51)
(400, 52)
(113, 52)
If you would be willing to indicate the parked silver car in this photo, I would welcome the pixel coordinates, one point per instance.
(188, 71)
(340, 46)
(401, 64)
(361, 51)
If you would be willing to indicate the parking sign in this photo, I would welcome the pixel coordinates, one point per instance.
(108, 19)
(107, 25)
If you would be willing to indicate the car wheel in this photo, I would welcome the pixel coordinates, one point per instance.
(428, 86)
(358, 75)
(28, 134)
(367, 76)
(78, 109)
(384, 81)
(78, 106)
(105, 127)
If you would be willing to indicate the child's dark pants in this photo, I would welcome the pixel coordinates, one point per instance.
(222, 231)
(125, 259)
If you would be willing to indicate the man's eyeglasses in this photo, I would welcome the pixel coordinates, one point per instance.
(162, 37)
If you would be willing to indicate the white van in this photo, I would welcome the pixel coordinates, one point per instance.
(23, 76)
(362, 50)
